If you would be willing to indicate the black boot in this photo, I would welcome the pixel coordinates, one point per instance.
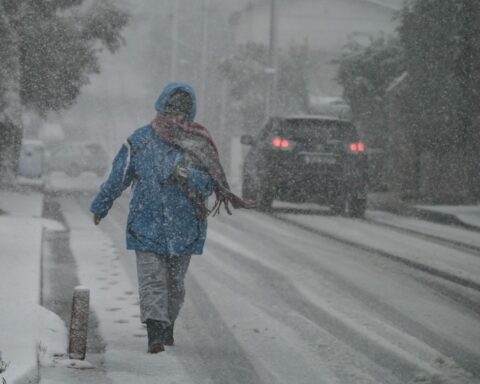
(155, 333)
(168, 340)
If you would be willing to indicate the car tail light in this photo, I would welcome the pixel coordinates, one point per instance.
(357, 147)
(278, 142)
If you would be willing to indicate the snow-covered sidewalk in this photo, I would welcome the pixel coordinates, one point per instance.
(28, 332)
(114, 298)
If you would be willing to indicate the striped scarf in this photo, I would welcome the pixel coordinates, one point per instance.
(196, 141)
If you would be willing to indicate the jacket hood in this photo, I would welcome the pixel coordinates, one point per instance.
(169, 90)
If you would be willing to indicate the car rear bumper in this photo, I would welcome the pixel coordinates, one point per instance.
(320, 184)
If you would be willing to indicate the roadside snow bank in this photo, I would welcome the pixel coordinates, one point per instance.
(468, 214)
(27, 330)
(58, 182)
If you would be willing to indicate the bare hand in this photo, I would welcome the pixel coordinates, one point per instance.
(96, 219)
(181, 174)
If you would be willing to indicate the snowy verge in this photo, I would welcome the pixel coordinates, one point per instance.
(463, 216)
(21, 204)
(58, 182)
(466, 214)
(28, 332)
(114, 299)
(395, 5)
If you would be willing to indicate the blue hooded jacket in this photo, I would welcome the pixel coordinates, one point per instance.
(162, 218)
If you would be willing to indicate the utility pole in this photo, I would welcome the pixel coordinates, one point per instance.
(270, 107)
(174, 39)
(204, 60)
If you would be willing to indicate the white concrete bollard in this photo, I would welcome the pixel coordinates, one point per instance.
(77, 347)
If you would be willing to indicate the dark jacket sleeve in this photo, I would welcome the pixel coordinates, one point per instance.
(120, 178)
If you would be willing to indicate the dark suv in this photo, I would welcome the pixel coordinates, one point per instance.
(307, 159)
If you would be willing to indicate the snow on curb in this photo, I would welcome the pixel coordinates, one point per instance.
(28, 332)
(395, 5)
(465, 215)
(60, 183)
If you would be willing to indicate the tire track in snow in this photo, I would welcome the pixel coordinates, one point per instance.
(405, 366)
(464, 297)
(465, 282)
(287, 329)
(465, 357)
(457, 245)
(278, 338)
(292, 299)
(216, 351)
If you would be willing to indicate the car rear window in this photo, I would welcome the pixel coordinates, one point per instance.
(312, 130)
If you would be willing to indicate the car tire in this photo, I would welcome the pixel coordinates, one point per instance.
(264, 196)
(265, 200)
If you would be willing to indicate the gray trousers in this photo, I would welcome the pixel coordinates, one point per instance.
(161, 285)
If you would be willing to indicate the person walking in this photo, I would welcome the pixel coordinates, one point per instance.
(173, 167)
